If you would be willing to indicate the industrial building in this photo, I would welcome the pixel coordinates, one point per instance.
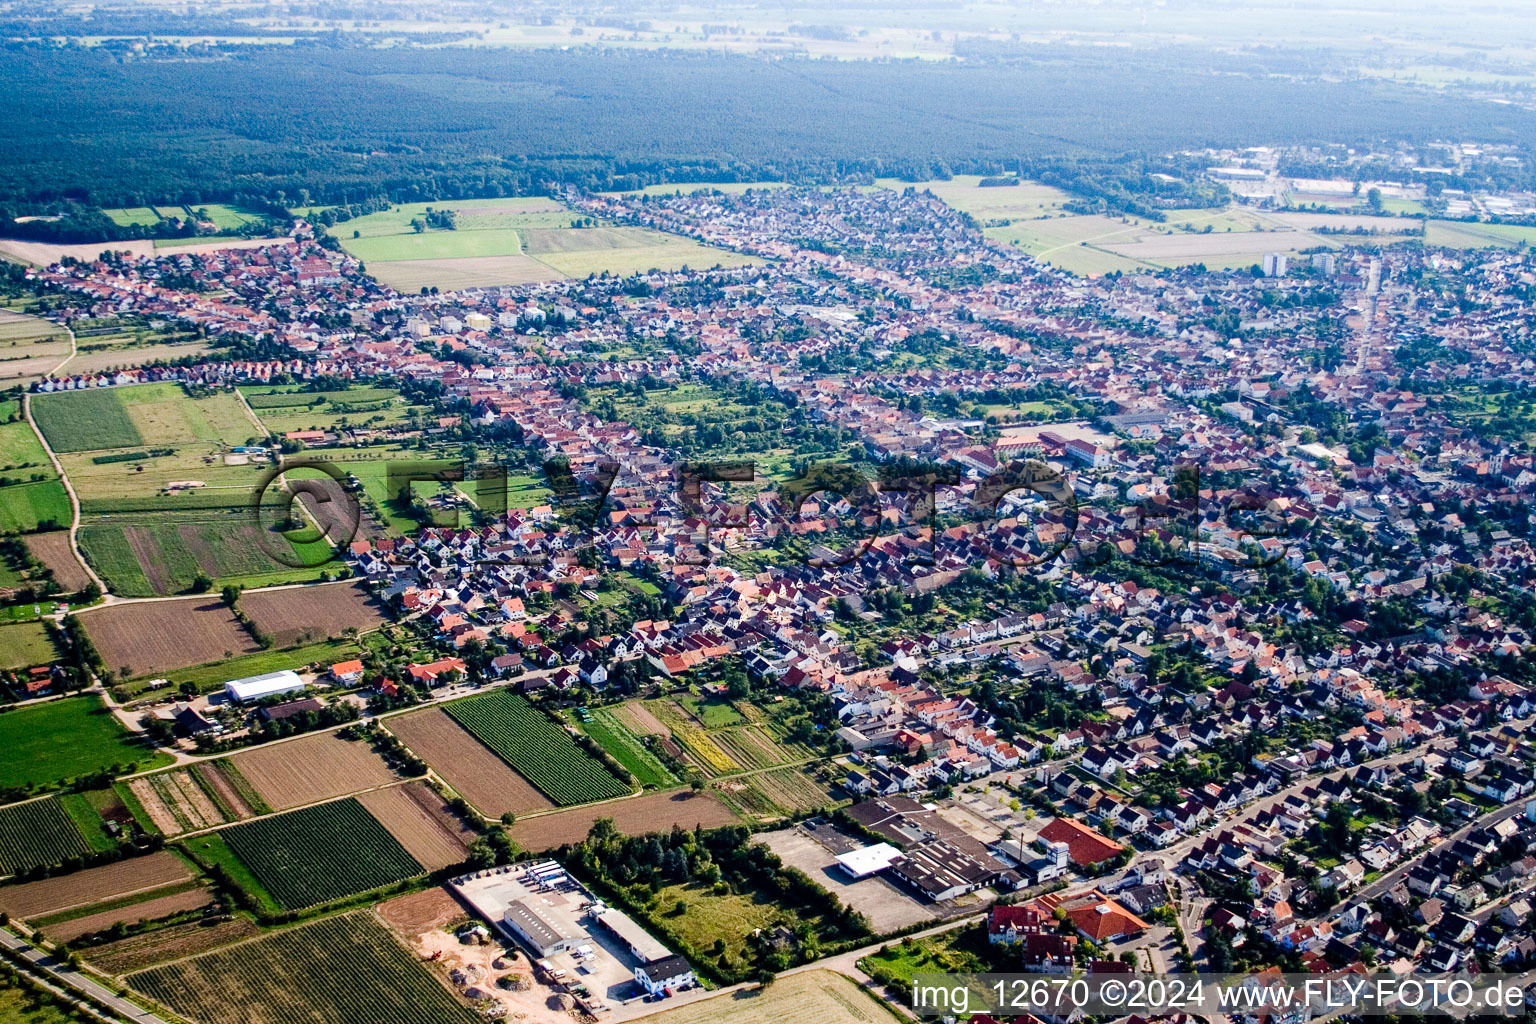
(867, 860)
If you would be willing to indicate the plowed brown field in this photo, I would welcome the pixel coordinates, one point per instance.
(466, 764)
(312, 768)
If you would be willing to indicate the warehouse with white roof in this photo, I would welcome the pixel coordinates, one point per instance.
(269, 684)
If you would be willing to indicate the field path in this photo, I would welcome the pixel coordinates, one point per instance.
(69, 488)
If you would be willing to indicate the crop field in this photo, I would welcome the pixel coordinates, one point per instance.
(85, 421)
(163, 553)
(422, 822)
(540, 750)
(637, 250)
(315, 767)
(151, 909)
(43, 505)
(465, 763)
(128, 216)
(143, 481)
(199, 796)
(688, 188)
(52, 896)
(703, 751)
(1027, 200)
(158, 637)
(318, 854)
(25, 644)
(139, 952)
(313, 613)
(137, 415)
(511, 241)
(37, 834)
(614, 736)
(410, 276)
(53, 550)
(651, 812)
(336, 969)
(286, 407)
(811, 996)
(30, 348)
(1464, 235)
(99, 358)
(776, 793)
(751, 747)
(60, 739)
(226, 217)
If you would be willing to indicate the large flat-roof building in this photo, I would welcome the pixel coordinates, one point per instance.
(867, 860)
(545, 934)
(268, 684)
(636, 939)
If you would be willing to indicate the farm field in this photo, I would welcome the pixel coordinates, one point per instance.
(465, 763)
(288, 407)
(85, 420)
(339, 968)
(30, 348)
(19, 447)
(152, 909)
(162, 553)
(410, 276)
(226, 217)
(140, 414)
(688, 188)
(614, 736)
(53, 550)
(1464, 235)
(138, 952)
(25, 644)
(318, 854)
(27, 507)
(776, 794)
(636, 250)
(540, 751)
(82, 889)
(1027, 200)
(101, 358)
(142, 482)
(38, 834)
(422, 822)
(511, 241)
(651, 812)
(159, 637)
(199, 796)
(319, 766)
(129, 216)
(60, 739)
(313, 613)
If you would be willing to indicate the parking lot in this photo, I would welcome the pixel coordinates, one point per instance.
(813, 848)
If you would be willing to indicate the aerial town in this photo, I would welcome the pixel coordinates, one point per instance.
(881, 599)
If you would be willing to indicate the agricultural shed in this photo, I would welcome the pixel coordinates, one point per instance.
(265, 685)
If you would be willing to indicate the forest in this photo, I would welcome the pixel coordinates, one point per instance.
(97, 127)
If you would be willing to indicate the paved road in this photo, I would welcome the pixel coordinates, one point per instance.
(73, 979)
